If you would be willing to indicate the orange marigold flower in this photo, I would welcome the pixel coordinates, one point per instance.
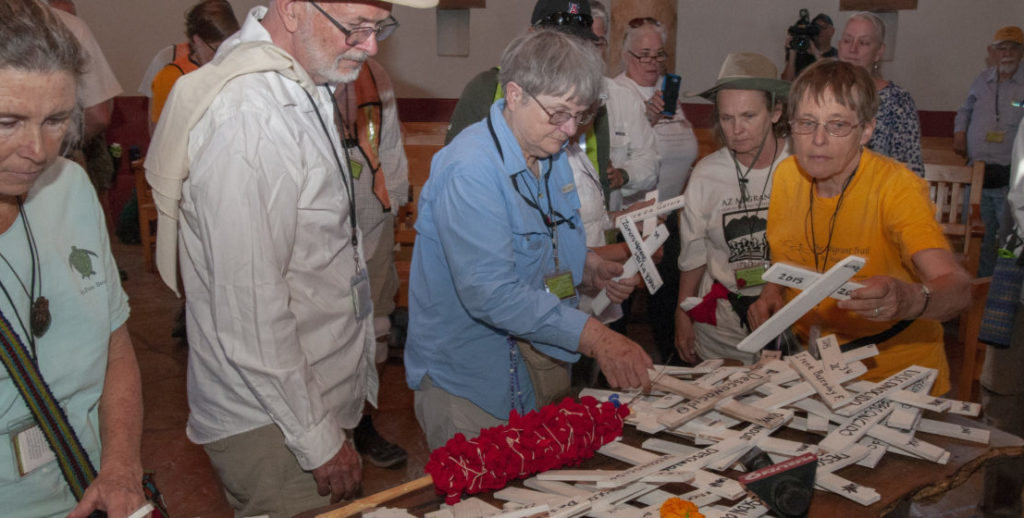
(679, 508)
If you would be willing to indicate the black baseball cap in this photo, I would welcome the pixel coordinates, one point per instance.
(568, 16)
(826, 18)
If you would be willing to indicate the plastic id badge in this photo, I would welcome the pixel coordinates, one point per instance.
(995, 137)
(31, 451)
(362, 301)
(356, 168)
(560, 285)
(749, 277)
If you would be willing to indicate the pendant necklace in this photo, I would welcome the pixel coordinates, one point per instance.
(39, 312)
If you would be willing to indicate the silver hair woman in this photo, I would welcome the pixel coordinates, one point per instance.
(59, 287)
(898, 131)
(501, 256)
(551, 63)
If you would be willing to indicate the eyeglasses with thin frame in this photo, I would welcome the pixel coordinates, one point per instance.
(561, 117)
(660, 57)
(358, 35)
(637, 22)
(835, 128)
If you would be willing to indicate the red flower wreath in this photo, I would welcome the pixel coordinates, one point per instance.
(555, 436)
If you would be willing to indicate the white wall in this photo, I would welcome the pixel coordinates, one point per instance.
(940, 46)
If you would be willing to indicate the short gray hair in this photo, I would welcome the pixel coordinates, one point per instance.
(35, 40)
(877, 23)
(548, 62)
(633, 32)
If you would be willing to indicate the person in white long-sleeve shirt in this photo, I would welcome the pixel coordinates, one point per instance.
(279, 315)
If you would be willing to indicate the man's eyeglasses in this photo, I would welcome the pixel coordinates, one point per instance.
(659, 57)
(561, 117)
(561, 19)
(637, 22)
(358, 35)
(835, 128)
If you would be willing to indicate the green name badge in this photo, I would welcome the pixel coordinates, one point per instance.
(560, 285)
(749, 277)
(996, 137)
(356, 168)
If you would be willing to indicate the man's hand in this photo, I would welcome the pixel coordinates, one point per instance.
(117, 490)
(599, 274)
(686, 338)
(766, 305)
(616, 177)
(623, 362)
(960, 143)
(340, 477)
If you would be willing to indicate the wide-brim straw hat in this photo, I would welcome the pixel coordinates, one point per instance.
(747, 71)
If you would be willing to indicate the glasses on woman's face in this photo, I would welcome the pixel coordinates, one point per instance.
(561, 117)
(637, 22)
(835, 128)
(358, 35)
(660, 56)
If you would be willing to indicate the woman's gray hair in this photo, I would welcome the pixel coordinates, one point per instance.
(632, 32)
(877, 23)
(34, 39)
(548, 62)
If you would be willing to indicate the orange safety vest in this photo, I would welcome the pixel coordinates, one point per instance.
(183, 58)
(369, 118)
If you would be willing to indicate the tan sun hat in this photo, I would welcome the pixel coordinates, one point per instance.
(747, 71)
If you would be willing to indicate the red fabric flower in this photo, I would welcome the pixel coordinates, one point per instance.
(557, 435)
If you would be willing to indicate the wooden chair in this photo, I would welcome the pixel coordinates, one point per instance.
(951, 186)
(419, 157)
(147, 215)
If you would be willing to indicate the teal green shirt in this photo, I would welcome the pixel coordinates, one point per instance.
(81, 281)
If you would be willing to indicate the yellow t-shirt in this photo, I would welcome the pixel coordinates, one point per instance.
(886, 217)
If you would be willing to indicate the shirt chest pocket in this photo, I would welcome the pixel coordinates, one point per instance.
(530, 239)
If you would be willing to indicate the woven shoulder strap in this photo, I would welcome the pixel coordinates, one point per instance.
(73, 460)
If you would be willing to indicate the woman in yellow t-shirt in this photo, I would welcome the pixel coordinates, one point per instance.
(834, 198)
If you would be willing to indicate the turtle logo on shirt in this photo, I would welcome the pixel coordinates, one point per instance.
(79, 260)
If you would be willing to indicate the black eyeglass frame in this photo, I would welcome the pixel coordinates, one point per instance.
(561, 117)
(358, 35)
(660, 57)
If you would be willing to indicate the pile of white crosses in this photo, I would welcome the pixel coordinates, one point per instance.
(726, 411)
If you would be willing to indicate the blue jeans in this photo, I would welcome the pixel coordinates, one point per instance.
(993, 213)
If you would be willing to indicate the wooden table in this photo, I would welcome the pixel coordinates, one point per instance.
(898, 479)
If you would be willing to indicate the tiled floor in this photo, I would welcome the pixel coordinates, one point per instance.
(182, 469)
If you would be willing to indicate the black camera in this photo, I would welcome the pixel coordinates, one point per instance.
(802, 33)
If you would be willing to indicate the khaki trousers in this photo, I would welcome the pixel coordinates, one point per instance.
(261, 476)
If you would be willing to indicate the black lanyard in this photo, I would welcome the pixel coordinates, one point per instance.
(553, 218)
(346, 180)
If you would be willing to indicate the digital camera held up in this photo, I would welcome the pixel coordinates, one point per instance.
(803, 32)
